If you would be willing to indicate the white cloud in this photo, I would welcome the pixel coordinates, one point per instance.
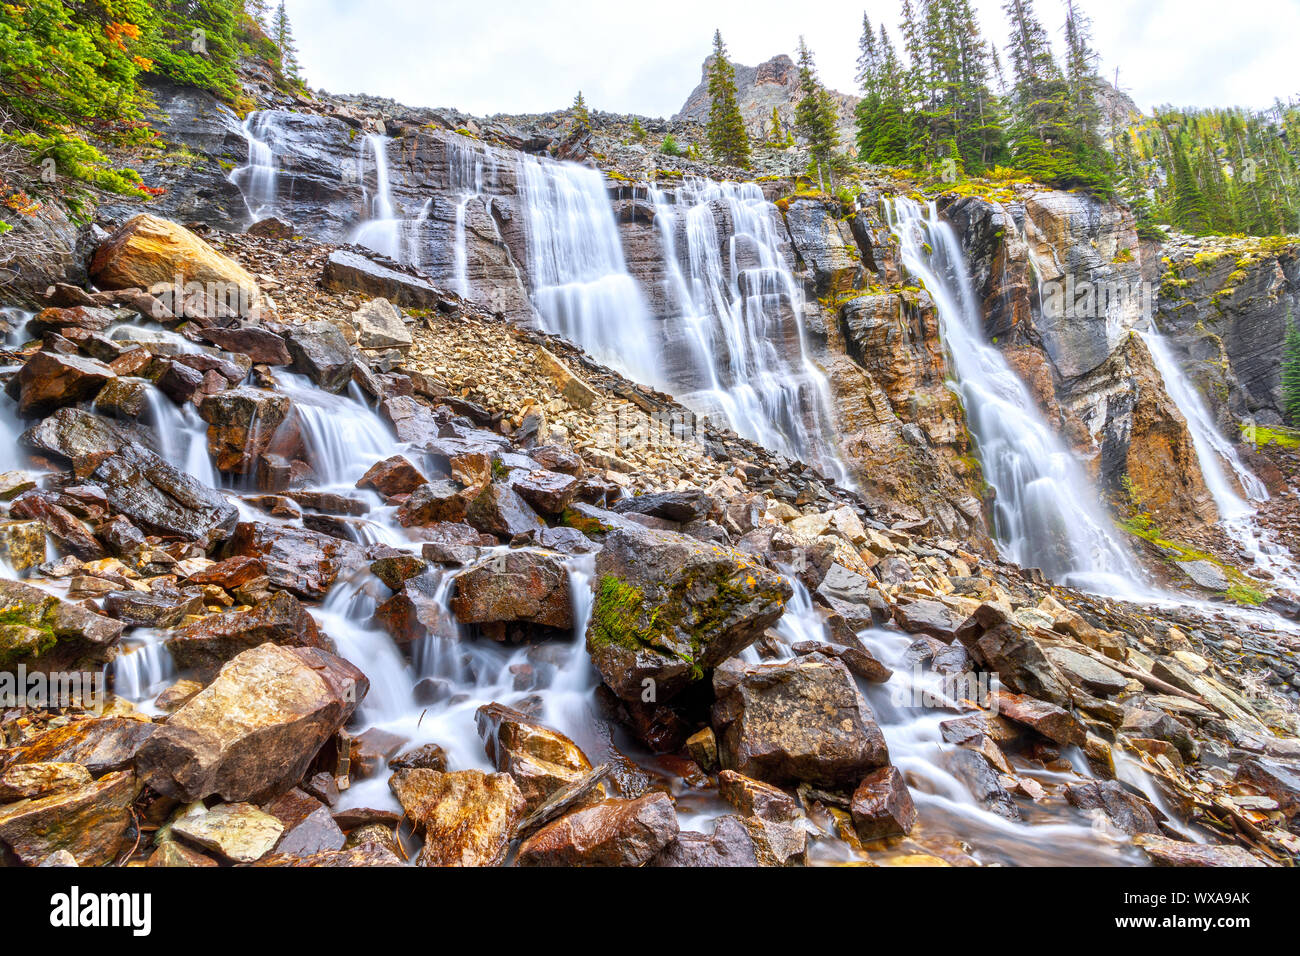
(532, 55)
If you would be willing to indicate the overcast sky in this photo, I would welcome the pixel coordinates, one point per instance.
(516, 56)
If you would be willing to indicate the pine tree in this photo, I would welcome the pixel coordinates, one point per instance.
(581, 115)
(282, 35)
(726, 129)
(1291, 373)
(816, 118)
(638, 131)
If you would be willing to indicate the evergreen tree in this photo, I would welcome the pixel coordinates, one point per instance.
(581, 115)
(1291, 373)
(726, 129)
(282, 35)
(195, 43)
(816, 118)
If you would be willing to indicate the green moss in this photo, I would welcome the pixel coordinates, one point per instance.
(1245, 594)
(1276, 435)
(26, 631)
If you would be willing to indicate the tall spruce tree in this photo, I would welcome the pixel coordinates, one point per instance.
(282, 35)
(816, 118)
(726, 129)
(581, 115)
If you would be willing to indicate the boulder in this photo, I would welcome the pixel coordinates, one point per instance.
(610, 833)
(100, 744)
(160, 607)
(1087, 672)
(772, 816)
(669, 608)
(350, 271)
(207, 644)
(1126, 810)
(415, 612)
(1166, 852)
(797, 721)
(161, 499)
(1021, 664)
(320, 352)
(123, 398)
(730, 844)
(147, 251)
(542, 761)
(80, 438)
(468, 817)
(548, 492)
(431, 503)
(241, 424)
(69, 532)
(392, 476)
(22, 544)
(498, 510)
(395, 569)
(305, 563)
(379, 325)
(1051, 721)
(882, 805)
(450, 542)
(309, 827)
(240, 832)
(45, 633)
(252, 733)
(1276, 779)
(928, 617)
(679, 506)
(525, 586)
(571, 388)
(27, 781)
(262, 346)
(90, 822)
(973, 769)
(50, 381)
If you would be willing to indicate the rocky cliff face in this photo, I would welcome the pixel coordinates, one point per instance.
(773, 84)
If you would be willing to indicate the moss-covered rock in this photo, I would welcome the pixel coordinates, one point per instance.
(669, 608)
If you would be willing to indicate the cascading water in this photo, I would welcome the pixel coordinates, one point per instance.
(258, 178)
(743, 319)
(581, 287)
(383, 230)
(1217, 458)
(1047, 514)
(466, 177)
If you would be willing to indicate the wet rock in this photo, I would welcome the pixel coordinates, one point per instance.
(679, 506)
(1153, 724)
(412, 421)
(91, 822)
(207, 644)
(241, 424)
(262, 346)
(1021, 664)
(320, 352)
(394, 569)
(240, 832)
(1276, 779)
(22, 544)
(669, 608)
(123, 398)
(498, 510)
(610, 833)
(171, 853)
(252, 732)
(467, 816)
(981, 779)
(271, 228)
(379, 325)
(1165, 852)
(423, 757)
(1051, 721)
(1087, 672)
(308, 826)
(525, 586)
(433, 502)
(161, 499)
(703, 748)
(69, 531)
(801, 720)
(157, 608)
(369, 854)
(772, 816)
(45, 633)
(415, 612)
(231, 573)
(1127, 811)
(730, 844)
(392, 476)
(305, 563)
(998, 729)
(450, 543)
(179, 382)
(542, 761)
(882, 805)
(77, 437)
(50, 381)
(146, 251)
(928, 617)
(1207, 574)
(101, 745)
(548, 492)
(30, 780)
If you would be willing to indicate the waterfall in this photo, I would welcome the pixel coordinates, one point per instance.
(465, 178)
(383, 230)
(581, 287)
(1217, 457)
(742, 314)
(1047, 514)
(258, 178)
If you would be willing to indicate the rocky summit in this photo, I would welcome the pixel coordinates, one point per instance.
(388, 486)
